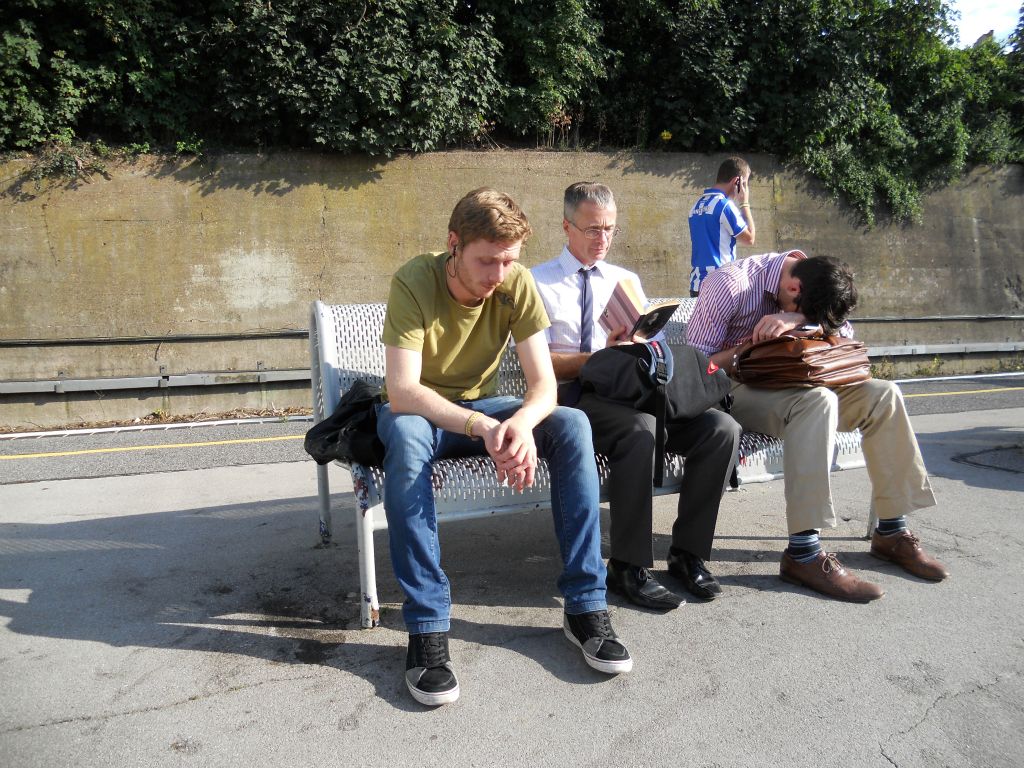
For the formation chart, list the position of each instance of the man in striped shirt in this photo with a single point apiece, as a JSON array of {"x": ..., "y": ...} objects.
[{"x": 764, "y": 297}]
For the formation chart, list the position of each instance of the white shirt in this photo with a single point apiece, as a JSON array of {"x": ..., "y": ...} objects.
[{"x": 558, "y": 282}]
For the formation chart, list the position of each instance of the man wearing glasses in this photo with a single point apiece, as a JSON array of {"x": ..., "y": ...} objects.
[{"x": 575, "y": 288}]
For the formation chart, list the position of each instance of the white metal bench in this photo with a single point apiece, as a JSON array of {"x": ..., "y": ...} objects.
[{"x": 345, "y": 345}]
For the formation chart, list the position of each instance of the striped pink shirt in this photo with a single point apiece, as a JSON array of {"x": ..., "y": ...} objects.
[{"x": 734, "y": 298}]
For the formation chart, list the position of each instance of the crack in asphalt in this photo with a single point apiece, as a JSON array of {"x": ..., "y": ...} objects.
[
  {"x": 145, "y": 710},
  {"x": 943, "y": 697}
]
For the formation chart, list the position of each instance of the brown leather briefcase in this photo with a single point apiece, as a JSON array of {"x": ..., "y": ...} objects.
[{"x": 788, "y": 361}]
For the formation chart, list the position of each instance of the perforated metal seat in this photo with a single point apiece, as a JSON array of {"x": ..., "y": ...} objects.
[{"x": 345, "y": 346}]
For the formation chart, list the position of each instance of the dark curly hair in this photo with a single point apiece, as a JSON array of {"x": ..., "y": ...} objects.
[{"x": 827, "y": 292}]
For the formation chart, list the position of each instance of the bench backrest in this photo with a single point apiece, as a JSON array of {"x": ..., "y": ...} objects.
[{"x": 348, "y": 339}]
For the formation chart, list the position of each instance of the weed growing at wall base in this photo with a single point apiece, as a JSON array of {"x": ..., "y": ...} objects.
[
  {"x": 67, "y": 159},
  {"x": 933, "y": 368},
  {"x": 883, "y": 369}
]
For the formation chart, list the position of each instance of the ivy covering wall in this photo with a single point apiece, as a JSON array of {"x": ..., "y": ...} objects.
[{"x": 871, "y": 96}]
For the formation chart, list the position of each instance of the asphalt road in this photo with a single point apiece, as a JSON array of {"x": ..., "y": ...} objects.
[
  {"x": 195, "y": 618},
  {"x": 133, "y": 452}
]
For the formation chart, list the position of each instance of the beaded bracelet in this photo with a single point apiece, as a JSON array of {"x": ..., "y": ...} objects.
[{"x": 470, "y": 422}]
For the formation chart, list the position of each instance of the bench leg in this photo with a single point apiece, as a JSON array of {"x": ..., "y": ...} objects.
[
  {"x": 872, "y": 519},
  {"x": 369, "y": 607},
  {"x": 323, "y": 490}
]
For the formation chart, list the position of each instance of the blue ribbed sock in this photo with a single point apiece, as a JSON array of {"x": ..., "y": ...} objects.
[
  {"x": 804, "y": 546},
  {"x": 892, "y": 526}
]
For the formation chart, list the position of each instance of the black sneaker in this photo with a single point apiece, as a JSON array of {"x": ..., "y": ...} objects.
[
  {"x": 592, "y": 633},
  {"x": 428, "y": 670}
]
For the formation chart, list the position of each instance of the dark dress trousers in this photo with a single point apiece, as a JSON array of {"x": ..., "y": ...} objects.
[{"x": 709, "y": 444}]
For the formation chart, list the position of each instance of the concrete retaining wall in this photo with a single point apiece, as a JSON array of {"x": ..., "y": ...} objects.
[{"x": 237, "y": 244}]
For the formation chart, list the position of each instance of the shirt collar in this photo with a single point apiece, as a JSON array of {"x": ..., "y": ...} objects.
[
  {"x": 773, "y": 274},
  {"x": 570, "y": 264}
]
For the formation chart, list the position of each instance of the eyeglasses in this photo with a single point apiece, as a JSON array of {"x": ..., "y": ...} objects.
[{"x": 592, "y": 233}]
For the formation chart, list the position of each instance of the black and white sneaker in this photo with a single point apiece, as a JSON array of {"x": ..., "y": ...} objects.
[
  {"x": 428, "y": 670},
  {"x": 592, "y": 633}
]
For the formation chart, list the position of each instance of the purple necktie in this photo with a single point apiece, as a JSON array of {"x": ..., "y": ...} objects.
[{"x": 587, "y": 314}]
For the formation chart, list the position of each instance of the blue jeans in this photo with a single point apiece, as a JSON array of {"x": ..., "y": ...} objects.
[{"x": 412, "y": 443}]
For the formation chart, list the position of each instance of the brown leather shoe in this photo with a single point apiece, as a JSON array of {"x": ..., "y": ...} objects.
[
  {"x": 904, "y": 549},
  {"x": 825, "y": 574}
]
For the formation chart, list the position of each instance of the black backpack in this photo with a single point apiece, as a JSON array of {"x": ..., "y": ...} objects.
[
  {"x": 672, "y": 382},
  {"x": 350, "y": 433}
]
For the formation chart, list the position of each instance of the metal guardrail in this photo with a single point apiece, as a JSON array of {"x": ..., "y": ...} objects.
[
  {"x": 206, "y": 379},
  {"x": 229, "y": 378},
  {"x": 303, "y": 333},
  {"x": 94, "y": 341},
  {"x": 946, "y": 349}
]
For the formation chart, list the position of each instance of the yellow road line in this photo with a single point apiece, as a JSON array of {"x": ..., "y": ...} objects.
[
  {"x": 965, "y": 392},
  {"x": 158, "y": 446},
  {"x": 162, "y": 446}
]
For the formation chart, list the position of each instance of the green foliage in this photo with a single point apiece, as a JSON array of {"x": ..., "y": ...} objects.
[
  {"x": 1013, "y": 86},
  {"x": 189, "y": 146},
  {"x": 551, "y": 62},
  {"x": 88, "y": 66},
  {"x": 23, "y": 117},
  {"x": 871, "y": 96},
  {"x": 370, "y": 77},
  {"x": 842, "y": 116},
  {"x": 676, "y": 69},
  {"x": 402, "y": 75}
]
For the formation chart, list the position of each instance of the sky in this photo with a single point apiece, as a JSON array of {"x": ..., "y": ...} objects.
[{"x": 979, "y": 16}]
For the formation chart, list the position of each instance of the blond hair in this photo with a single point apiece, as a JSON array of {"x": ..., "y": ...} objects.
[{"x": 486, "y": 214}]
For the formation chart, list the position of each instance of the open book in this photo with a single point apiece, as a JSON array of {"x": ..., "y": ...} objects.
[{"x": 626, "y": 310}]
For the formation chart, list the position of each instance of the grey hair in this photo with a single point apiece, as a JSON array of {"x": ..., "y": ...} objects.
[{"x": 586, "y": 192}]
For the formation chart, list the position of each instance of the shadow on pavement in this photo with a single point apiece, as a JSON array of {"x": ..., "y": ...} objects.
[
  {"x": 252, "y": 580},
  {"x": 981, "y": 457}
]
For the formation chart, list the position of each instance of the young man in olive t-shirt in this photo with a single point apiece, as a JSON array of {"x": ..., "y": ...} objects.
[{"x": 448, "y": 321}]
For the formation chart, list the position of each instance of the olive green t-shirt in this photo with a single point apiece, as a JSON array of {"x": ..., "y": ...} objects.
[{"x": 461, "y": 346}]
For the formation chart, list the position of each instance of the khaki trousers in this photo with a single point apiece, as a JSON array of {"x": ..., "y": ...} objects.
[{"x": 807, "y": 420}]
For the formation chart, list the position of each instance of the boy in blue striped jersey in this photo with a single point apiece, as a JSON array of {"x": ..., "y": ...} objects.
[{"x": 719, "y": 218}]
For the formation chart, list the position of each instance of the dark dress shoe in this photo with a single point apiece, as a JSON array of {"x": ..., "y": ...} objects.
[
  {"x": 695, "y": 576},
  {"x": 640, "y": 587}
]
